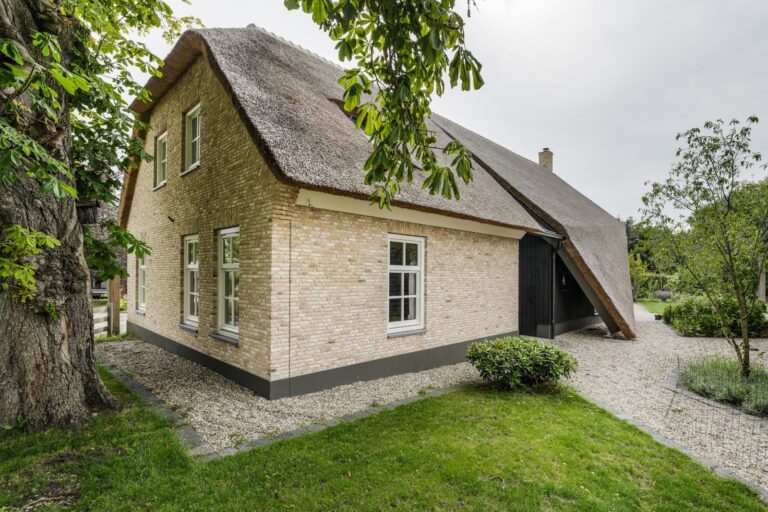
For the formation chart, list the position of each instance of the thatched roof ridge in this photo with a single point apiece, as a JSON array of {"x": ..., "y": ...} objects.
[{"x": 284, "y": 95}]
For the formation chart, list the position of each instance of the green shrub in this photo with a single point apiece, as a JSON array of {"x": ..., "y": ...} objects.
[
  {"x": 720, "y": 379},
  {"x": 695, "y": 316},
  {"x": 517, "y": 362},
  {"x": 123, "y": 304}
]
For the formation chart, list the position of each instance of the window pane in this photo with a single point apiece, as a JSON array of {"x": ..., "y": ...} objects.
[
  {"x": 409, "y": 307},
  {"x": 395, "y": 253},
  {"x": 236, "y": 306},
  {"x": 228, "y": 284},
  {"x": 192, "y": 305},
  {"x": 395, "y": 284},
  {"x": 194, "y": 152},
  {"x": 192, "y": 281},
  {"x": 411, "y": 254},
  {"x": 227, "y": 250},
  {"x": 236, "y": 284},
  {"x": 195, "y": 120},
  {"x": 395, "y": 314},
  {"x": 409, "y": 284},
  {"x": 228, "y": 313},
  {"x": 235, "y": 249}
]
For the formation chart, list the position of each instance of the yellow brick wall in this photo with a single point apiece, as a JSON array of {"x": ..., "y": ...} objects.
[
  {"x": 231, "y": 187},
  {"x": 313, "y": 282},
  {"x": 338, "y": 290}
]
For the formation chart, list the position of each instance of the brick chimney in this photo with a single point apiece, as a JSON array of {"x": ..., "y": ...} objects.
[{"x": 545, "y": 158}]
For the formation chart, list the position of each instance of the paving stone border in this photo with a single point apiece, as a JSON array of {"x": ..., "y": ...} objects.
[{"x": 203, "y": 452}]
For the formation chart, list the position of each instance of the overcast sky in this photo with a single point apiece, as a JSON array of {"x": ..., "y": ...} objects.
[{"x": 605, "y": 84}]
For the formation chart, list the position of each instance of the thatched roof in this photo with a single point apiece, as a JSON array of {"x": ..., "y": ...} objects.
[{"x": 287, "y": 98}]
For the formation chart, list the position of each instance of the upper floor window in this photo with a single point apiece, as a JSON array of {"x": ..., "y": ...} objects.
[
  {"x": 191, "y": 260},
  {"x": 141, "y": 284},
  {"x": 229, "y": 280},
  {"x": 406, "y": 283},
  {"x": 161, "y": 159},
  {"x": 192, "y": 139}
]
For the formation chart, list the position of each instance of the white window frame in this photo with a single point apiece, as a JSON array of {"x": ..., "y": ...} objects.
[
  {"x": 223, "y": 268},
  {"x": 161, "y": 163},
  {"x": 191, "y": 161},
  {"x": 191, "y": 272},
  {"x": 141, "y": 284},
  {"x": 418, "y": 322}
]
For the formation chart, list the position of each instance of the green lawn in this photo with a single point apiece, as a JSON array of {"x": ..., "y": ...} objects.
[
  {"x": 654, "y": 306},
  {"x": 468, "y": 450}
]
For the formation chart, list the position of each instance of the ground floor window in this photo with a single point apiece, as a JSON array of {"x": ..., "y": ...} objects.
[
  {"x": 229, "y": 280},
  {"x": 191, "y": 260},
  {"x": 406, "y": 283}
]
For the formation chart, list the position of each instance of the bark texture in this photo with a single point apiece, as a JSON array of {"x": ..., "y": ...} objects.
[{"x": 48, "y": 372}]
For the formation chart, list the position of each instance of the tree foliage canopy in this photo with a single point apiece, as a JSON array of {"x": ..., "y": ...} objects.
[
  {"x": 712, "y": 219},
  {"x": 401, "y": 54},
  {"x": 84, "y": 90}
]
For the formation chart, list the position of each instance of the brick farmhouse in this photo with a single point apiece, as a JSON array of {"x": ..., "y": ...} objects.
[{"x": 270, "y": 266}]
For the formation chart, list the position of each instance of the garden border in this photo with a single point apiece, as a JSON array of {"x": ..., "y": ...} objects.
[
  {"x": 203, "y": 452},
  {"x": 669, "y": 443}
]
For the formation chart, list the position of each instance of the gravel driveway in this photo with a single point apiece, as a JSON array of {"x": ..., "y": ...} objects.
[
  {"x": 634, "y": 378},
  {"x": 637, "y": 380}
]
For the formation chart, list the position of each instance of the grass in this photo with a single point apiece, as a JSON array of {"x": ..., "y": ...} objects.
[
  {"x": 720, "y": 379},
  {"x": 469, "y": 450},
  {"x": 115, "y": 337},
  {"x": 654, "y": 306}
]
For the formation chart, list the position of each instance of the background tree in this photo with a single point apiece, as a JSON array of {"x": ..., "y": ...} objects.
[
  {"x": 65, "y": 135},
  {"x": 713, "y": 222}
]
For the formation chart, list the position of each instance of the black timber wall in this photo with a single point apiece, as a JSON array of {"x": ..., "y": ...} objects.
[
  {"x": 551, "y": 300},
  {"x": 535, "y": 284}
]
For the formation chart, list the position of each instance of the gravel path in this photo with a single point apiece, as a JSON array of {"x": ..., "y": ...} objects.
[
  {"x": 225, "y": 414},
  {"x": 637, "y": 379}
]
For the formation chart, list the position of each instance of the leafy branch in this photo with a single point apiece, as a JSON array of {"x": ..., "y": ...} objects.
[{"x": 401, "y": 54}]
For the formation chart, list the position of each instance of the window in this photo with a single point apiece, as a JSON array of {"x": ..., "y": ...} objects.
[
  {"x": 406, "y": 283},
  {"x": 161, "y": 159},
  {"x": 190, "y": 279},
  {"x": 192, "y": 139},
  {"x": 141, "y": 284},
  {"x": 229, "y": 280}
]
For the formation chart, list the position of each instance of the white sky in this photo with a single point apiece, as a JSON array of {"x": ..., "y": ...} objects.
[{"x": 605, "y": 84}]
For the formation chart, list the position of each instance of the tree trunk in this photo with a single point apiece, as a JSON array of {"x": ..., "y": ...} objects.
[
  {"x": 745, "y": 357},
  {"x": 48, "y": 373}
]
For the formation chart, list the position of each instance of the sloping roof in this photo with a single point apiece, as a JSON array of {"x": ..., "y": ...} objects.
[{"x": 284, "y": 95}]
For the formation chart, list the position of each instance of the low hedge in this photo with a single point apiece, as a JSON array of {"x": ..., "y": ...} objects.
[
  {"x": 695, "y": 316},
  {"x": 518, "y": 362}
]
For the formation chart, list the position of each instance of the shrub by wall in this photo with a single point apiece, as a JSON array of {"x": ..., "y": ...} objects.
[
  {"x": 518, "y": 362},
  {"x": 695, "y": 316}
]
